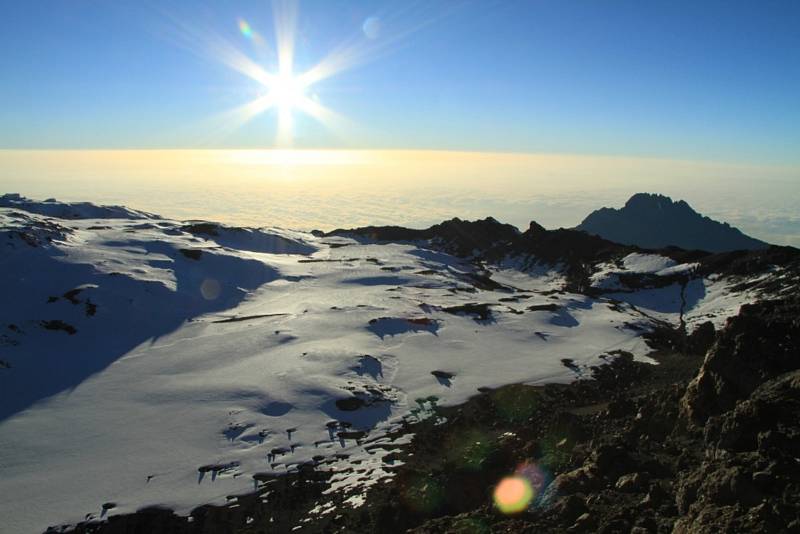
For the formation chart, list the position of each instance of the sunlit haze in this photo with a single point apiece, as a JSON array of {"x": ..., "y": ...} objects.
[
  {"x": 326, "y": 189},
  {"x": 367, "y": 113}
]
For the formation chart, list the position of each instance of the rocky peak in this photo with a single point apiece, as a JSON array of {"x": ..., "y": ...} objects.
[
  {"x": 649, "y": 202},
  {"x": 656, "y": 221},
  {"x": 535, "y": 228}
]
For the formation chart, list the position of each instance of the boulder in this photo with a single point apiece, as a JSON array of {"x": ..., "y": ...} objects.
[{"x": 760, "y": 343}]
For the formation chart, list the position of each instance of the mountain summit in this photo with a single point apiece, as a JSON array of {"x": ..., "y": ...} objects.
[{"x": 656, "y": 221}]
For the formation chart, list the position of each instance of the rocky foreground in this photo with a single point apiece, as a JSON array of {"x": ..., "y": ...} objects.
[{"x": 706, "y": 441}]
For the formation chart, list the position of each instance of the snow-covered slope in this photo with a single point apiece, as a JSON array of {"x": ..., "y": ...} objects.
[
  {"x": 607, "y": 274},
  {"x": 71, "y": 210},
  {"x": 663, "y": 289},
  {"x": 147, "y": 361}
]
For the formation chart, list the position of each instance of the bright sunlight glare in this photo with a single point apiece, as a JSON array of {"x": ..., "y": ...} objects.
[{"x": 287, "y": 91}]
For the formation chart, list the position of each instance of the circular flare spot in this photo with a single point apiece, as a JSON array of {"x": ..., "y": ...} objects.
[
  {"x": 372, "y": 27},
  {"x": 210, "y": 289},
  {"x": 513, "y": 495},
  {"x": 245, "y": 28}
]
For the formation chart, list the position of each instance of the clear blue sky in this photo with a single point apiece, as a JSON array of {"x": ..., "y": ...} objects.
[{"x": 689, "y": 79}]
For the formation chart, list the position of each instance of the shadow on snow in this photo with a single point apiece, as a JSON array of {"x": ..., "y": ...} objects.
[{"x": 129, "y": 312}]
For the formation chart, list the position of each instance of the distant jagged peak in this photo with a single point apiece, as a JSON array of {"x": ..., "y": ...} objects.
[
  {"x": 535, "y": 228},
  {"x": 651, "y": 220},
  {"x": 71, "y": 210},
  {"x": 656, "y": 201},
  {"x": 488, "y": 224}
]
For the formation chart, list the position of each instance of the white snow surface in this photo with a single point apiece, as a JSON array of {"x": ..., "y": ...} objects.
[
  {"x": 71, "y": 210},
  {"x": 646, "y": 263},
  {"x": 606, "y": 275},
  {"x": 712, "y": 298},
  {"x": 129, "y": 361}
]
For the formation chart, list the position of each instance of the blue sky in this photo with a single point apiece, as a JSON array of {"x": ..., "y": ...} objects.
[{"x": 716, "y": 80}]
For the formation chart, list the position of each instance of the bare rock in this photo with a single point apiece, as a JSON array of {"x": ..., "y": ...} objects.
[
  {"x": 760, "y": 343},
  {"x": 631, "y": 483}
]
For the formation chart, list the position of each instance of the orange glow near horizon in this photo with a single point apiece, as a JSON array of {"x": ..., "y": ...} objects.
[{"x": 325, "y": 189}]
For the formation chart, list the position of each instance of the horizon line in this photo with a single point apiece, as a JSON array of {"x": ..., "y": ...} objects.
[{"x": 483, "y": 152}]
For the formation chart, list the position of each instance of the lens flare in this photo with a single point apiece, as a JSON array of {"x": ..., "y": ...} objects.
[
  {"x": 371, "y": 27},
  {"x": 517, "y": 492},
  {"x": 535, "y": 474},
  {"x": 210, "y": 289},
  {"x": 513, "y": 495},
  {"x": 245, "y": 28}
]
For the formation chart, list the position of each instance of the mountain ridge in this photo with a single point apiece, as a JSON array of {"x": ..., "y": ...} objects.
[
  {"x": 641, "y": 224},
  {"x": 656, "y": 221}
]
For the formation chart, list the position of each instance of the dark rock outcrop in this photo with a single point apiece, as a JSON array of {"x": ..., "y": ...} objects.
[
  {"x": 492, "y": 241},
  {"x": 455, "y": 235},
  {"x": 762, "y": 342},
  {"x": 575, "y": 251}
]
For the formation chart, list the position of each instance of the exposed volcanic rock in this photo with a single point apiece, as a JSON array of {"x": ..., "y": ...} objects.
[
  {"x": 748, "y": 480},
  {"x": 574, "y": 250},
  {"x": 739, "y": 262},
  {"x": 656, "y": 221},
  {"x": 563, "y": 245},
  {"x": 767, "y": 418},
  {"x": 26, "y": 231},
  {"x": 762, "y": 342},
  {"x": 492, "y": 241},
  {"x": 636, "y": 467},
  {"x": 456, "y": 236},
  {"x": 479, "y": 312},
  {"x": 621, "y": 457},
  {"x": 203, "y": 228},
  {"x": 192, "y": 254},
  {"x": 577, "y": 251}
]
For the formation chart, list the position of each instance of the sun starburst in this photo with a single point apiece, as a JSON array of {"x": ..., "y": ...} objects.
[{"x": 285, "y": 91}]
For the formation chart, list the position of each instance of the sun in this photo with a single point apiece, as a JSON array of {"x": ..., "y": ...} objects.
[
  {"x": 284, "y": 91},
  {"x": 280, "y": 88},
  {"x": 287, "y": 92}
]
